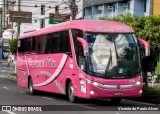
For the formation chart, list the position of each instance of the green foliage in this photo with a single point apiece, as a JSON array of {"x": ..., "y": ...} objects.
[
  {"x": 13, "y": 46},
  {"x": 147, "y": 28},
  {"x": 150, "y": 92}
]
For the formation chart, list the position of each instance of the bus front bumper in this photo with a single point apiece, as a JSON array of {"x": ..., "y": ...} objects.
[{"x": 97, "y": 92}]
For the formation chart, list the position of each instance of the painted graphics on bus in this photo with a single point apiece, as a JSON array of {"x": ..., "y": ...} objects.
[{"x": 80, "y": 60}]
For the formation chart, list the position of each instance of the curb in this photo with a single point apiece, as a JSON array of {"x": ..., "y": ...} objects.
[{"x": 12, "y": 77}]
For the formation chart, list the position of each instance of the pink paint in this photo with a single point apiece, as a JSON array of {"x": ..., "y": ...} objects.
[
  {"x": 146, "y": 46},
  {"x": 145, "y": 43},
  {"x": 83, "y": 42},
  {"x": 86, "y": 25},
  {"x": 50, "y": 72},
  {"x": 56, "y": 73}
]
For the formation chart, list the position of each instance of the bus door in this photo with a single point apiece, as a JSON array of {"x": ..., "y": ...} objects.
[
  {"x": 23, "y": 71},
  {"x": 82, "y": 47}
]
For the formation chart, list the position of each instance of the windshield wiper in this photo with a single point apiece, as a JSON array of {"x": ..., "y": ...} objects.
[
  {"x": 97, "y": 74},
  {"x": 109, "y": 61}
]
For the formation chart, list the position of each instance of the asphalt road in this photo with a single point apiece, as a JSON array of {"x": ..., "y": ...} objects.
[{"x": 12, "y": 95}]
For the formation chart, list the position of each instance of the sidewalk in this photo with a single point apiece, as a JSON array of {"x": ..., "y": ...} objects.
[
  {"x": 154, "y": 85},
  {"x": 11, "y": 75},
  {"x": 4, "y": 62}
]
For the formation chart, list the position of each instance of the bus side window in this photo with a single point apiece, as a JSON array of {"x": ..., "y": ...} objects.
[
  {"x": 65, "y": 46},
  {"x": 52, "y": 45},
  {"x": 37, "y": 44},
  {"x": 76, "y": 33},
  {"x": 21, "y": 47},
  {"x": 81, "y": 57}
]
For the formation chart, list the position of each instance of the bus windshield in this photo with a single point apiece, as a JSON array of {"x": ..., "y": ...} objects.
[{"x": 113, "y": 55}]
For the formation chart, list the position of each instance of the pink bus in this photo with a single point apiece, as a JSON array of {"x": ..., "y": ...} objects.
[{"x": 89, "y": 59}]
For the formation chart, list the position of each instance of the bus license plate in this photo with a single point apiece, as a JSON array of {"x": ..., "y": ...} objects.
[{"x": 118, "y": 94}]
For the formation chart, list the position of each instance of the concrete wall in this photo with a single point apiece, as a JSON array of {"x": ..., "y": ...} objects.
[
  {"x": 87, "y": 3},
  {"x": 135, "y": 7},
  {"x": 36, "y": 15}
]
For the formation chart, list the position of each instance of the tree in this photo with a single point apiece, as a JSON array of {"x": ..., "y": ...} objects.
[
  {"x": 147, "y": 28},
  {"x": 13, "y": 45}
]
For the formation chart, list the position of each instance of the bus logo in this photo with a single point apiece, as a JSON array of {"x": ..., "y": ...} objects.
[{"x": 118, "y": 86}]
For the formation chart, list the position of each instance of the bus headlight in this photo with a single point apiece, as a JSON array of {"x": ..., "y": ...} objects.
[
  {"x": 95, "y": 83},
  {"x": 138, "y": 83}
]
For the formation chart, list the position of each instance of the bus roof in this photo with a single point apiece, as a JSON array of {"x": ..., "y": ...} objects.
[{"x": 86, "y": 25}]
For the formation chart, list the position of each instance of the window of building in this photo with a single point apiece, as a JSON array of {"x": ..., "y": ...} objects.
[
  {"x": 128, "y": 6},
  {"x": 145, "y": 6}
]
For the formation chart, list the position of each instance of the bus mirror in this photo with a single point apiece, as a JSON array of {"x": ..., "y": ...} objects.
[
  {"x": 146, "y": 46},
  {"x": 19, "y": 43},
  {"x": 84, "y": 45}
]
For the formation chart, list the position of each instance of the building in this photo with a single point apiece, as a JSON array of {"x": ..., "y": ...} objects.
[
  {"x": 156, "y": 7},
  {"x": 9, "y": 30},
  {"x": 94, "y": 9},
  {"x": 34, "y": 6}
]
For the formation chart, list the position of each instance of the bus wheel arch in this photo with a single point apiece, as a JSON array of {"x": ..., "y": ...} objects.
[
  {"x": 30, "y": 86},
  {"x": 70, "y": 91}
]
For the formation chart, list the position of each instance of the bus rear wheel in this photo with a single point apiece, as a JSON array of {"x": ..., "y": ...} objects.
[
  {"x": 30, "y": 87},
  {"x": 70, "y": 93},
  {"x": 116, "y": 100}
]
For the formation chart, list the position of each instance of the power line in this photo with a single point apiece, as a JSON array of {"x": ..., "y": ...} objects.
[
  {"x": 26, "y": 5},
  {"x": 66, "y": 3},
  {"x": 36, "y": 11},
  {"x": 50, "y": 9},
  {"x": 39, "y": 9}
]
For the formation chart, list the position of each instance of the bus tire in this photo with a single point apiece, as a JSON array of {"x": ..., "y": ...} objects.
[
  {"x": 30, "y": 87},
  {"x": 116, "y": 100},
  {"x": 70, "y": 93}
]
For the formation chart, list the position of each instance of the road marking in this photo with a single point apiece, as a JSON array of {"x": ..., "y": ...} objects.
[
  {"x": 48, "y": 98},
  {"x": 137, "y": 102},
  {"x": 22, "y": 92},
  {"x": 86, "y": 107},
  {"x": 5, "y": 87},
  {"x": 10, "y": 112},
  {"x": 2, "y": 76}
]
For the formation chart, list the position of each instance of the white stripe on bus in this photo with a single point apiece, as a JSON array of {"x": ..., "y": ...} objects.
[{"x": 56, "y": 73}]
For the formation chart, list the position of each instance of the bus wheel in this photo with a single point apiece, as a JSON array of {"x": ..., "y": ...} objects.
[
  {"x": 70, "y": 93},
  {"x": 116, "y": 100},
  {"x": 30, "y": 87}
]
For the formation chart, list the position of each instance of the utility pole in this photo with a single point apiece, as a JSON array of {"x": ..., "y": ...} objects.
[
  {"x": 7, "y": 9},
  {"x": 73, "y": 8},
  {"x": 1, "y": 21},
  {"x": 42, "y": 23},
  {"x": 19, "y": 24},
  {"x": 4, "y": 14}
]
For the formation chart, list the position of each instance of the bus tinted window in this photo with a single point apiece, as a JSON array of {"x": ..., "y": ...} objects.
[
  {"x": 52, "y": 43},
  {"x": 40, "y": 44},
  {"x": 58, "y": 42},
  {"x": 26, "y": 45},
  {"x": 64, "y": 42},
  {"x": 21, "y": 48}
]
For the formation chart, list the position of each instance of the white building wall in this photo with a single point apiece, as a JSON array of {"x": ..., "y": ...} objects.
[{"x": 36, "y": 15}]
